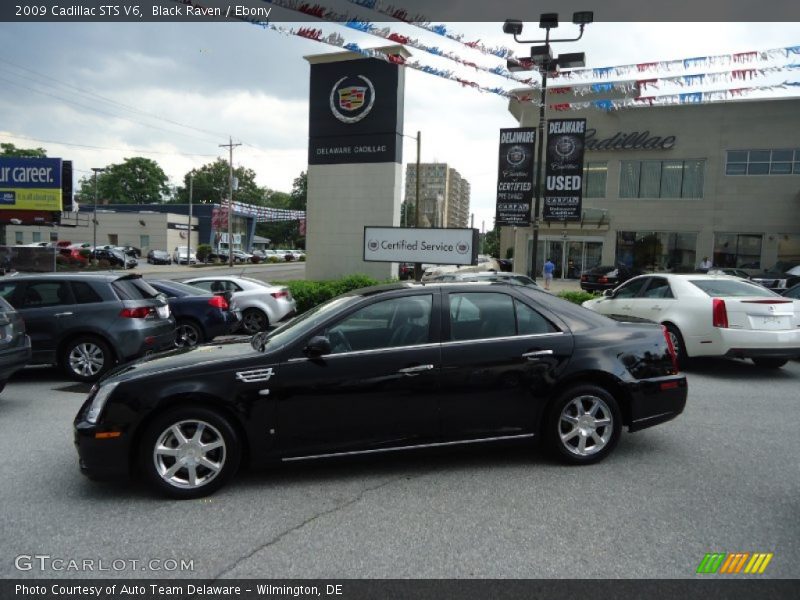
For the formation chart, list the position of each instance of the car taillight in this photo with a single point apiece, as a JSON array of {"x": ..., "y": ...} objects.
[
  {"x": 602, "y": 280},
  {"x": 281, "y": 294},
  {"x": 719, "y": 313},
  {"x": 137, "y": 313},
  {"x": 583, "y": 278},
  {"x": 218, "y": 302},
  {"x": 672, "y": 354}
]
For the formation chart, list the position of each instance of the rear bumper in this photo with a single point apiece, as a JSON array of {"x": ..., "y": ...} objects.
[
  {"x": 655, "y": 401},
  {"x": 749, "y": 343},
  {"x": 763, "y": 352},
  {"x": 592, "y": 286},
  {"x": 13, "y": 358}
]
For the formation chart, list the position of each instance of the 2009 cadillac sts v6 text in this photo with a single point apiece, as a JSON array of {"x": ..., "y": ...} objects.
[{"x": 386, "y": 368}]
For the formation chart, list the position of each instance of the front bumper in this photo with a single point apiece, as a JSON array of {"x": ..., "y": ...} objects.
[
  {"x": 101, "y": 458},
  {"x": 655, "y": 401}
]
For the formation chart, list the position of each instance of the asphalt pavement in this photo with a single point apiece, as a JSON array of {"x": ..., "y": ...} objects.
[{"x": 721, "y": 478}]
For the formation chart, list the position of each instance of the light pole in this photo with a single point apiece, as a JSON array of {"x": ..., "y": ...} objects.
[
  {"x": 94, "y": 213},
  {"x": 418, "y": 137},
  {"x": 542, "y": 59},
  {"x": 189, "y": 231}
]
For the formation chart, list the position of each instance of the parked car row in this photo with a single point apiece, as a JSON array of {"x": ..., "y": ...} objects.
[{"x": 89, "y": 322}]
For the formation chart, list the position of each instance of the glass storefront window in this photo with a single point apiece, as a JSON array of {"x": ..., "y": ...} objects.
[
  {"x": 737, "y": 250},
  {"x": 595, "y": 175},
  {"x": 657, "y": 251},
  {"x": 661, "y": 179},
  {"x": 789, "y": 247}
]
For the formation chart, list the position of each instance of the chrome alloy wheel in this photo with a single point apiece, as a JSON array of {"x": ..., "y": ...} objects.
[
  {"x": 586, "y": 425},
  {"x": 86, "y": 359},
  {"x": 676, "y": 342},
  {"x": 189, "y": 454}
]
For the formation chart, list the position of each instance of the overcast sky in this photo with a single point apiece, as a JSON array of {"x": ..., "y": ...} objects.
[{"x": 179, "y": 90}]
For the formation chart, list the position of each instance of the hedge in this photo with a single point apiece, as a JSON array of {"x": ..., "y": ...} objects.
[
  {"x": 309, "y": 294},
  {"x": 577, "y": 297}
]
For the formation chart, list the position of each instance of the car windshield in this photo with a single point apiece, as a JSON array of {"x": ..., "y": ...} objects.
[
  {"x": 729, "y": 287},
  {"x": 301, "y": 325}
]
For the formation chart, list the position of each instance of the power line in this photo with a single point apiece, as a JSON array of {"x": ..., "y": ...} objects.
[
  {"x": 137, "y": 150},
  {"x": 90, "y": 93}
]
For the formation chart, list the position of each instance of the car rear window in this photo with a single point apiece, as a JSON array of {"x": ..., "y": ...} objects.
[
  {"x": 729, "y": 287},
  {"x": 134, "y": 289},
  {"x": 183, "y": 289}
]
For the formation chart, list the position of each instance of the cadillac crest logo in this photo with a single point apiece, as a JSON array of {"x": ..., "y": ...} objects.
[
  {"x": 352, "y": 98},
  {"x": 564, "y": 147},
  {"x": 373, "y": 245},
  {"x": 516, "y": 156}
]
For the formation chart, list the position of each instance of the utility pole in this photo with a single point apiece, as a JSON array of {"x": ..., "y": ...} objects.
[
  {"x": 230, "y": 146},
  {"x": 94, "y": 213},
  {"x": 417, "y": 266},
  {"x": 189, "y": 234}
]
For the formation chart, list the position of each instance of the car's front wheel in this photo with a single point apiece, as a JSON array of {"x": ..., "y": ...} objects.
[
  {"x": 189, "y": 452},
  {"x": 770, "y": 363},
  {"x": 583, "y": 425},
  {"x": 86, "y": 358},
  {"x": 254, "y": 320},
  {"x": 677, "y": 344}
]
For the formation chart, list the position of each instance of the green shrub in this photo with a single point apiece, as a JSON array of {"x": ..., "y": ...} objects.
[
  {"x": 577, "y": 297},
  {"x": 273, "y": 259},
  {"x": 309, "y": 294},
  {"x": 203, "y": 250},
  {"x": 302, "y": 258}
]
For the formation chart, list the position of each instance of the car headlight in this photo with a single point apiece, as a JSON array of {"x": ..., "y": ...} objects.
[{"x": 99, "y": 401}]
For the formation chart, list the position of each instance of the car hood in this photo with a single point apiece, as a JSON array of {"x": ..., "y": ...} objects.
[{"x": 185, "y": 359}]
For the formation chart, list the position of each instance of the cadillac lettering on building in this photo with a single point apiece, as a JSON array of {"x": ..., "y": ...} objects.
[
  {"x": 433, "y": 246},
  {"x": 629, "y": 141},
  {"x": 515, "y": 176}
]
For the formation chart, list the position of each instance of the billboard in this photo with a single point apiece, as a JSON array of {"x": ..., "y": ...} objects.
[
  {"x": 563, "y": 188},
  {"x": 515, "y": 176},
  {"x": 355, "y": 112},
  {"x": 31, "y": 184},
  {"x": 432, "y": 246}
]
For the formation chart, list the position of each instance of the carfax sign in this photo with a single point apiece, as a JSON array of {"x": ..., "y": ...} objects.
[
  {"x": 30, "y": 184},
  {"x": 432, "y": 246}
]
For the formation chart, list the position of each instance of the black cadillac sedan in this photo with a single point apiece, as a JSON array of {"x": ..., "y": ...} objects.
[{"x": 386, "y": 368}]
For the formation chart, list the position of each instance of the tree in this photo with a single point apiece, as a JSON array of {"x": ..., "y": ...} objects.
[
  {"x": 491, "y": 243},
  {"x": 299, "y": 192},
  {"x": 11, "y": 151},
  {"x": 211, "y": 185},
  {"x": 136, "y": 180},
  {"x": 281, "y": 233}
]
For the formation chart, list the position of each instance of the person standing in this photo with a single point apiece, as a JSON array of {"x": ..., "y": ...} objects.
[
  {"x": 547, "y": 271},
  {"x": 705, "y": 264}
]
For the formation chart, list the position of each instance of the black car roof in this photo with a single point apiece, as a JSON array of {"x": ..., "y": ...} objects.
[{"x": 74, "y": 276}]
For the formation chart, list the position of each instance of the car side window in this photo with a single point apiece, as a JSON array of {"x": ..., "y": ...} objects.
[
  {"x": 206, "y": 285},
  {"x": 475, "y": 316},
  {"x": 631, "y": 288},
  {"x": 530, "y": 322},
  {"x": 7, "y": 289},
  {"x": 40, "y": 294},
  {"x": 85, "y": 293},
  {"x": 392, "y": 323},
  {"x": 658, "y": 288}
]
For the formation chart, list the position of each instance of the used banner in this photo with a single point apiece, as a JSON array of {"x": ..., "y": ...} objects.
[
  {"x": 515, "y": 177},
  {"x": 563, "y": 191}
]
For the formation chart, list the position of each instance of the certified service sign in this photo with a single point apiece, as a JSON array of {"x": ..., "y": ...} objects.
[{"x": 433, "y": 246}]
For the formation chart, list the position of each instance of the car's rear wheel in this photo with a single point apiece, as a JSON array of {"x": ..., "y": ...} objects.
[
  {"x": 770, "y": 363},
  {"x": 677, "y": 344},
  {"x": 583, "y": 425},
  {"x": 189, "y": 452},
  {"x": 254, "y": 320},
  {"x": 188, "y": 334},
  {"x": 86, "y": 358}
]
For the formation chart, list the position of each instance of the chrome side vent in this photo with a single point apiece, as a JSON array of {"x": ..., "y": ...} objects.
[{"x": 255, "y": 375}]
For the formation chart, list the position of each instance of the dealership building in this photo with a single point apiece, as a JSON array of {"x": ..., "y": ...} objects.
[{"x": 666, "y": 186}]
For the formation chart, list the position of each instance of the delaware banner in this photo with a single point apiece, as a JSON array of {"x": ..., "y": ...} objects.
[
  {"x": 563, "y": 191},
  {"x": 515, "y": 176},
  {"x": 30, "y": 184}
]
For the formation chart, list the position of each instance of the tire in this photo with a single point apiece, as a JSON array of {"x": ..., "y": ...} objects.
[
  {"x": 86, "y": 358},
  {"x": 573, "y": 434},
  {"x": 678, "y": 344},
  {"x": 254, "y": 320},
  {"x": 174, "y": 460},
  {"x": 2, "y": 385},
  {"x": 188, "y": 333},
  {"x": 770, "y": 363}
]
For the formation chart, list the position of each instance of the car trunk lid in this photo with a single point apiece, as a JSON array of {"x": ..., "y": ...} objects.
[{"x": 761, "y": 314}]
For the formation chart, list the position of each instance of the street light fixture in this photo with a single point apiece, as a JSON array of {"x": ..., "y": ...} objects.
[
  {"x": 542, "y": 59},
  {"x": 94, "y": 215}
]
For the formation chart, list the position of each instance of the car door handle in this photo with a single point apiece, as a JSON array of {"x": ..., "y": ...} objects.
[
  {"x": 413, "y": 371},
  {"x": 655, "y": 308},
  {"x": 64, "y": 314},
  {"x": 625, "y": 307},
  {"x": 537, "y": 354}
]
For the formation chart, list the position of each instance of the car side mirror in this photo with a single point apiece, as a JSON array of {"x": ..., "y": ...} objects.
[
  {"x": 318, "y": 345},
  {"x": 608, "y": 293}
]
